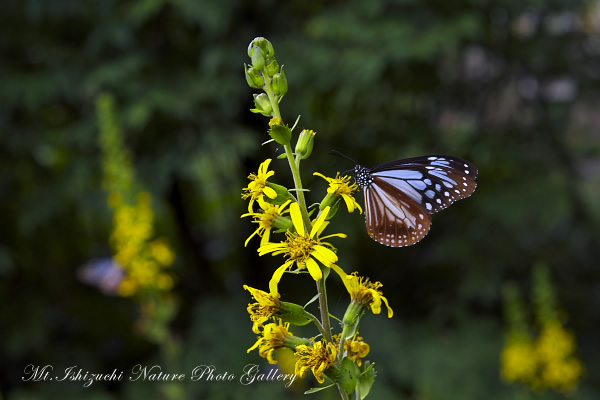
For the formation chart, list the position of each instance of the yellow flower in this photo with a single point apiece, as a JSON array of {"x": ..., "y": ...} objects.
[
  {"x": 364, "y": 292},
  {"x": 556, "y": 347},
  {"x": 263, "y": 310},
  {"x": 554, "y": 342},
  {"x": 340, "y": 186},
  {"x": 318, "y": 358},
  {"x": 265, "y": 220},
  {"x": 302, "y": 248},
  {"x": 273, "y": 338},
  {"x": 258, "y": 188},
  {"x": 356, "y": 349},
  {"x": 161, "y": 252},
  {"x": 519, "y": 361}
]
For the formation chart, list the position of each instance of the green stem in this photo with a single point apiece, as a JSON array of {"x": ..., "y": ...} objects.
[
  {"x": 325, "y": 325},
  {"x": 290, "y": 157},
  {"x": 315, "y": 321},
  {"x": 323, "y": 306},
  {"x": 342, "y": 393},
  {"x": 298, "y": 184}
]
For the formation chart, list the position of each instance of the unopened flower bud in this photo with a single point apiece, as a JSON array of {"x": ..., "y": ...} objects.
[
  {"x": 305, "y": 142},
  {"x": 272, "y": 67},
  {"x": 269, "y": 49},
  {"x": 258, "y": 59},
  {"x": 253, "y": 77},
  {"x": 279, "y": 84},
  {"x": 262, "y": 104},
  {"x": 264, "y": 45}
]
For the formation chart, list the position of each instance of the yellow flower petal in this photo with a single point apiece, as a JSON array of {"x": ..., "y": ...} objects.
[
  {"x": 270, "y": 248},
  {"x": 297, "y": 218},
  {"x": 349, "y": 202},
  {"x": 322, "y": 176},
  {"x": 390, "y": 312},
  {"x": 264, "y": 166},
  {"x": 276, "y": 278},
  {"x": 319, "y": 222},
  {"x": 265, "y": 238},
  {"x": 376, "y": 304},
  {"x": 250, "y": 237},
  {"x": 270, "y": 192},
  {"x": 314, "y": 269},
  {"x": 325, "y": 255}
]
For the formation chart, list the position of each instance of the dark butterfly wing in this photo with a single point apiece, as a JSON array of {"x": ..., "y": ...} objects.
[
  {"x": 393, "y": 218},
  {"x": 433, "y": 182}
]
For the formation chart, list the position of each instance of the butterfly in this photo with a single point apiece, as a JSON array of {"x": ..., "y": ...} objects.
[
  {"x": 400, "y": 196},
  {"x": 105, "y": 273}
]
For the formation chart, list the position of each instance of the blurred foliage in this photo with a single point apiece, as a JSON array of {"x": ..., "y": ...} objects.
[{"x": 510, "y": 85}]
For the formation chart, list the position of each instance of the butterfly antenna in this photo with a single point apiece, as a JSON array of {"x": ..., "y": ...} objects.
[{"x": 337, "y": 153}]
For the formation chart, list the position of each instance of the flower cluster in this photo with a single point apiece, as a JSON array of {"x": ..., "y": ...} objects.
[
  {"x": 287, "y": 229},
  {"x": 547, "y": 361},
  {"x": 143, "y": 256}
]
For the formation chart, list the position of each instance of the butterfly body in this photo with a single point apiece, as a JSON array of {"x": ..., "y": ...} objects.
[{"x": 400, "y": 196}]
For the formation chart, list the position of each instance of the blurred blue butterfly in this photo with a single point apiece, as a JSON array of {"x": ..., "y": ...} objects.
[{"x": 105, "y": 273}]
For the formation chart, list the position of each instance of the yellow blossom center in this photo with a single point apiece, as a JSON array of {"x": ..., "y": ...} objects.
[
  {"x": 256, "y": 187},
  {"x": 364, "y": 294},
  {"x": 299, "y": 247},
  {"x": 267, "y": 217},
  {"x": 339, "y": 185}
]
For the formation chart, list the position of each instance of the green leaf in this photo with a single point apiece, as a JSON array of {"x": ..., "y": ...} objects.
[
  {"x": 366, "y": 379},
  {"x": 315, "y": 390}
]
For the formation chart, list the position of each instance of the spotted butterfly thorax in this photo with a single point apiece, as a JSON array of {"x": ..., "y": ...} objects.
[{"x": 400, "y": 196}]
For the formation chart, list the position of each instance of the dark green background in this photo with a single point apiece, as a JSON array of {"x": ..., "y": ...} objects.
[{"x": 510, "y": 85}]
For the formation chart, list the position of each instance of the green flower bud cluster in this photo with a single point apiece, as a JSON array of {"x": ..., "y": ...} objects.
[{"x": 265, "y": 73}]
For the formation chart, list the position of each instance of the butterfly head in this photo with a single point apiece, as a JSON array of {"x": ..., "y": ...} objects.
[{"x": 363, "y": 177}]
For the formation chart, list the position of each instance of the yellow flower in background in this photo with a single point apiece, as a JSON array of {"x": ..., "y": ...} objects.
[
  {"x": 340, "y": 186},
  {"x": 519, "y": 360},
  {"x": 363, "y": 291},
  {"x": 261, "y": 311},
  {"x": 258, "y": 188},
  {"x": 143, "y": 257},
  {"x": 266, "y": 220},
  {"x": 318, "y": 358},
  {"x": 555, "y": 347},
  {"x": 161, "y": 252},
  {"x": 549, "y": 361},
  {"x": 273, "y": 338},
  {"x": 302, "y": 248}
]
